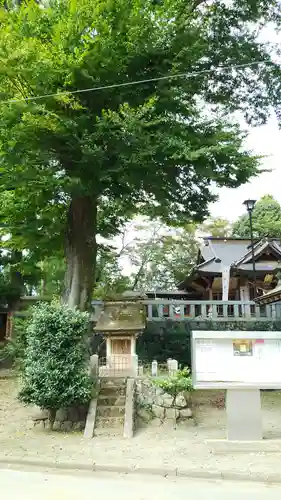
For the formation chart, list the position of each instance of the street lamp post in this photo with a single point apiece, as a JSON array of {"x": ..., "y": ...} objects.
[{"x": 249, "y": 204}]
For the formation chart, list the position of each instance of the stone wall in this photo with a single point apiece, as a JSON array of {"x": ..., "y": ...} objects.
[
  {"x": 67, "y": 419},
  {"x": 153, "y": 404}
]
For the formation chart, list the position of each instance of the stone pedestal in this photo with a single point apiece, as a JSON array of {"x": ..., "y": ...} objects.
[{"x": 243, "y": 408}]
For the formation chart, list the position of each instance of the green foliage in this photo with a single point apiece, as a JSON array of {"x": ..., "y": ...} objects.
[
  {"x": 74, "y": 166},
  {"x": 171, "y": 339},
  {"x": 160, "y": 255},
  {"x": 266, "y": 220},
  {"x": 175, "y": 384},
  {"x": 218, "y": 227},
  {"x": 259, "y": 326},
  {"x": 15, "y": 347},
  {"x": 109, "y": 276},
  {"x": 52, "y": 274},
  {"x": 54, "y": 372},
  {"x": 10, "y": 279},
  {"x": 9, "y": 293},
  {"x": 168, "y": 340}
]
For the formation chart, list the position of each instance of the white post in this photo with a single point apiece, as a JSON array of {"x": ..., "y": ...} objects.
[
  {"x": 245, "y": 296},
  {"x": 135, "y": 365},
  {"x": 94, "y": 366},
  {"x": 133, "y": 345},
  {"x": 225, "y": 282},
  {"x": 154, "y": 368},
  {"x": 169, "y": 364},
  {"x": 173, "y": 367},
  {"x": 108, "y": 347},
  {"x": 140, "y": 371}
]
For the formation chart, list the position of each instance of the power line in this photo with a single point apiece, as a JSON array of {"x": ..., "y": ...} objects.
[{"x": 137, "y": 82}]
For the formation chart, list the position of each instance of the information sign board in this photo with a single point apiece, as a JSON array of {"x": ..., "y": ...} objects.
[{"x": 232, "y": 359}]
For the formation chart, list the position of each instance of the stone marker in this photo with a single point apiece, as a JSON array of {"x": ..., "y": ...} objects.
[
  {"x": 169, "y": 364},
  {"x": 94, "y": 366},
  {"x": 154, "y": 368},
  {"x": 172, "y": 367},
  {"x": 140, "y": 370},
  {"x": 135, "y": 365}
]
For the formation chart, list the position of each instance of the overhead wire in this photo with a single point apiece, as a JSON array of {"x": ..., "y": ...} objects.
[{"x": 135, "y": 82}]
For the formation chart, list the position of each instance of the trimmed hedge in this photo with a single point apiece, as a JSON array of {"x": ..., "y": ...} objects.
[{"x": 171, "y": 339}]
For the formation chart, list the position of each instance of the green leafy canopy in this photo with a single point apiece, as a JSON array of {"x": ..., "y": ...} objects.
[
  {"x": 81, "y": 164},
  {"x": 266, "y": 220}
]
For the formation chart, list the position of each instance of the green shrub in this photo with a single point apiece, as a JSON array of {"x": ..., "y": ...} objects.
[
  {"x": 163, "y": 341},
  {"x": 175, "y": 384},
  {"x": 54, "y": 372},
  {"x": 14, "y": 348},
  {"x": 172, "y": 339}
]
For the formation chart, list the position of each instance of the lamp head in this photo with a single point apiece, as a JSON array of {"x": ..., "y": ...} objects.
[{"x": 249, "y": 204}]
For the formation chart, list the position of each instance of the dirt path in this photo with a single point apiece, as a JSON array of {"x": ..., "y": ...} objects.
[{"x": 154, "y": 446}]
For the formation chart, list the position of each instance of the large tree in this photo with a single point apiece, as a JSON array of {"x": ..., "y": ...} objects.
[
  {"x": 159, "y": 257},
  {"x": 266, "y": 220},
  {"x": 77, "y": 163},
  {"x": 218, "y": 227}
]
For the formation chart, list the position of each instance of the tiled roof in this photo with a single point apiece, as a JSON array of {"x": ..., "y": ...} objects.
[
  {"x": 221, "y": 252},
  {"x": 235, "y": 253},
  {"x": 259, "y": 248}
]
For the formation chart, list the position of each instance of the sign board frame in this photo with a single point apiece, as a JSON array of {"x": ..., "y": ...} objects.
[{"x": 242, "y": 346}]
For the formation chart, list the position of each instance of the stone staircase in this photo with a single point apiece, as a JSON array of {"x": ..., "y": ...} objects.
[{"x": 111, "y": 407}]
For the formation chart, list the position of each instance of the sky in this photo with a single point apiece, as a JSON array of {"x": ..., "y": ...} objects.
[{"x": 265, "y": 140}]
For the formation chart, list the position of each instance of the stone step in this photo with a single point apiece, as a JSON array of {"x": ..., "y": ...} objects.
[
  {"x": 112, "y": 391},
  {"x": 108, "y": 422},
  {"x": 110, "y": 411},
  {"x": 109, "y": 431},
  {"x": 113, "y": 382},
  {"x": 116, "y": 400}
]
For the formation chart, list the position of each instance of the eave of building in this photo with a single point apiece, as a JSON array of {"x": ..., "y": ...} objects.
[
  {"x": 260, "y": 267},
  {"x": 270, "y": 297},
  {"x": 259, "y": 248},
  {"x": 192, "y": 282},
  {"x": 204, "y": 264},
  {"x": 213, "y": 266},
  {"x": 214, "y": 263}
]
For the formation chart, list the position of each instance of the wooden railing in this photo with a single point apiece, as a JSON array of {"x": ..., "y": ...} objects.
[
  {"x": 204, "y": 310},
  {"x": 183, "y": 310},
  {"x": 199, "y": 310}
]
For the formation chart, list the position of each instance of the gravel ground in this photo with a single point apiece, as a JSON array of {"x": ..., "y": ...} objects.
[{"x": 151, "y": 447}]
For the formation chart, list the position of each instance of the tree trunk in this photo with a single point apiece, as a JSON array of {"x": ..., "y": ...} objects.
[
  {"x": 16, "y": 278},
  {"x": 52, "y": 418},
  {"x": 80, "y": 252}
]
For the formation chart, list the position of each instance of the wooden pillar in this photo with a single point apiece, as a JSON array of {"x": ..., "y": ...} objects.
[
  {"x": 225, "y": 282},
  {"x": 245, "y": 296},
  {"x": 245, "y": 292}
]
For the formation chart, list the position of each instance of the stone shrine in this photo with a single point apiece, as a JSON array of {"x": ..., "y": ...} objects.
[{"x": 121, "y": 321}]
